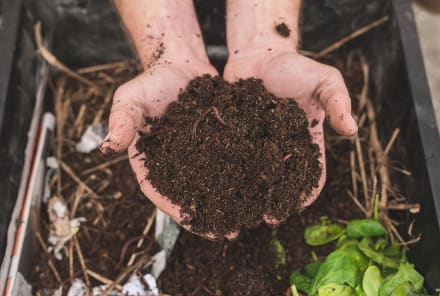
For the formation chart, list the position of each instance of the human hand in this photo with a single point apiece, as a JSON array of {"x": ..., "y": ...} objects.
[
  {"x": 318, "y": 89},
  {"x": 168, "y": 41},
  {"x": 148, "y": 95}
]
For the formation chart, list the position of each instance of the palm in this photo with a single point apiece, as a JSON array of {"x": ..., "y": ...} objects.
[{"x": 318, "y": 89}]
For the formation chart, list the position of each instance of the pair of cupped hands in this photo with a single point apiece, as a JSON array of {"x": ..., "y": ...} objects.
[{"x": 318, "y": 89}]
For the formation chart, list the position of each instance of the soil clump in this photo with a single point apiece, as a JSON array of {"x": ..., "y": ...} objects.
[
  {"x": 283, "y": 30},
  {"x": 229, "y": 153}
]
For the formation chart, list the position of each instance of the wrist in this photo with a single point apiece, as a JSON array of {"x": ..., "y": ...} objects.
[
  {"x": 265, "y": 47},
  {"x": 163, "y": 31},
  {"x": 253, "y": 25}
]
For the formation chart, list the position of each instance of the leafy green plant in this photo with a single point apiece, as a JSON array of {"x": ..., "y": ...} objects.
[
  {"x": 323, "y": 233},
  {"x": 364, "y": 263}
]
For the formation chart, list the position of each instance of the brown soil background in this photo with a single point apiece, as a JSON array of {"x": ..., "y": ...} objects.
[{"x": 196, "y": 266}]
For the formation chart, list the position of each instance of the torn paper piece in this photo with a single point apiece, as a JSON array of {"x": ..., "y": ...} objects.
[
  {"x": 152, "y": 285},
  {"x": 98, "y": 290},
  {"x": 62, "y": 228},
  {"x": 166, "y": 232},
  {"x": 91, "y": 139},
  {"x": 134, "y": 287},
  {"x": 78, "y": 288},
  {"x": 159, "y": 263},
  {"x": 58, "y": 292},
  {"x": 52, "y": 167}
]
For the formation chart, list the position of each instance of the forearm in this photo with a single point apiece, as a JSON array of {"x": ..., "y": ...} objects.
[
  {"x": 252, "y": 24},
  {"x": 165, "y": 30}
]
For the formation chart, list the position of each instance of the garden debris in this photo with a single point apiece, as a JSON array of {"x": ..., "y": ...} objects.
[
  {"x": 88, "y": 185},
  {"x": 62, "y": 228},
  {"x": 78, "y": 288},
  {"x": 371, "y": 177},
  {"x": 339, "y": 43},
  {"x": 92, "y": 137}
]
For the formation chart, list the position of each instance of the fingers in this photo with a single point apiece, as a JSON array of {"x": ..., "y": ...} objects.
[
  {"x": 125, "y": 120},
  {"x": 270, "y": 220},
  {"x": 334, "y": 98}
]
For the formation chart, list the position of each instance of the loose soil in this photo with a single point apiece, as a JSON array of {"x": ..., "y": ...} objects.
[
  {"x": 196, "y": 266},
  {"x": 229, "y": 153},
  {"x": 283, "y": 30},
  {"x": 247, "y": 266}
]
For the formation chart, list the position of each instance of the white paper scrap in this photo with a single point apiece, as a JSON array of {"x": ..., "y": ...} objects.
[
  {"x": 78, "y": 288},
  {"x": 92, "y": 137},
  {"x": 151, "y": 282},
  {"x": 134, "y": 287}
]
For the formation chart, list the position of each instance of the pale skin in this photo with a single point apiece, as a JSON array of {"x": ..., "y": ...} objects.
[{"x": 255, "y": 50}]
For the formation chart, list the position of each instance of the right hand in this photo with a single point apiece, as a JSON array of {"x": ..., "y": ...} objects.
[{"x": 148, "y": 95}]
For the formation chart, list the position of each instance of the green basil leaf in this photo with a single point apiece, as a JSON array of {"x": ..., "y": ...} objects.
[
  {"x": 381, "y": 244},
  {"x": 405, "y": 289},
  {"x": 343, "y": 267},
  {"x": 372, "y": 281},
  {"x": 360, "y": 291},
  {"x": 300, "y": 281},
  {"x": 366, "y": 246},
  {"x": 365, "y": 228},
  {"x": 344, "y": 241},
  {"x": 405, "y": 274},
  {"x": 393, "y": 251},
  {"x": 318, "y": 235},
  {"x": 336, "y": 290},
  {"x": 312, "y": 268}
]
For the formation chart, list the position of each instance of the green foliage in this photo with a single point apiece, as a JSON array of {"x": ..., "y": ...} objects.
[
  {"x": 301, "y": 281},
  {"x": 364, "y": 263},
  {"x": 322, "y": 234},
  {"x": 280, "y": 253},
  {"x": 366, "y": 246},
  {"x": 372, "y": 281},
  {"x": 343, "y": 267},
  {"x": 336, "y": 290},
  {"x": 312, "y": 269},
  {"x": 405, "y": 279},
  {"x": 365, "y": 228}
]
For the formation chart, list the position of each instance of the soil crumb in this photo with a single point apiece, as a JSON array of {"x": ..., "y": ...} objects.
[
  {"x": 230, "y": 153},
  {"x": 314, "y": 123},
  {"x": 283, "y": 30}
]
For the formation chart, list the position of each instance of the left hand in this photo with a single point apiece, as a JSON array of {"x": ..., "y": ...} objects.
[{"x": 319, "y": 89}]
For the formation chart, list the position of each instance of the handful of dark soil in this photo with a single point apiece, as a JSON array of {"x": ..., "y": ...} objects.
[{"x": 228, "y": 153}]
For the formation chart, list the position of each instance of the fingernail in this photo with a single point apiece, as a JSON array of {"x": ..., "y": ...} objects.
[
  {"x": 105, "y": 146},
  {"x": 353, "y": 123}
]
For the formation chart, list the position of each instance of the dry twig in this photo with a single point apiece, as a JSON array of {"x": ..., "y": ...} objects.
[
  {"x": 104, "y": 165},
  {"x": 81, "y": 261},
  {"x": 103, "y": 67},
  {"x": 50, "y": 262},
  {"x": 52, "y": 60},
  {"x": 102, "y": 279},
  {"x": 347, "y": 38},
  {"x": 144, "y": 234},
  {"x": 75, "y": 178}
]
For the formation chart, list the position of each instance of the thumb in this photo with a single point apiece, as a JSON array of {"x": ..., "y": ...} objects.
[
  {"x": 125, "y": 120},
  {"x": 335, "y": 100}
]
